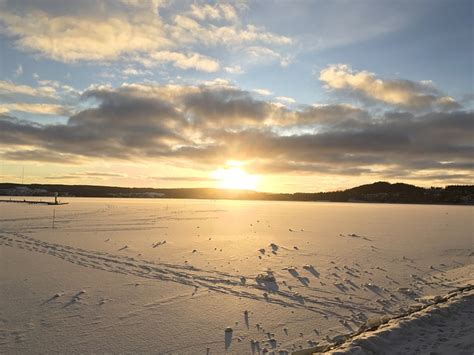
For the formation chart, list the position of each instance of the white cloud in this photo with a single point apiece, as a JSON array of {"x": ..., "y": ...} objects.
[
  {"x": 19, "y": 70},
  {"x": 217, "y": 82},
  {"x": 417, "y": 95},
  {"x": 216, "y": 12},
  {"x": 132, "y": 71},
  {"x": 18, "y": 97},
  {"x": 263, "y": 92},
  {"x": 135, "y": 72},
  {"x": 7, "y": 87},
  {"x": 58, "y": 86},
  {"x": 72, "y": 38},
  {"x": 182, "y": 60},
  {"x": 261, "y": 54},
  {"x": 187, "y": 30},
  {"x": 236, "y": 69},
  {"x": 42, "y": 109},
  {"x": 285, "y": 99},
  {"x": 132, "y": 30}
]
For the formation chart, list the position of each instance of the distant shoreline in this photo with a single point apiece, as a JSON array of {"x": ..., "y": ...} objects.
[
  {"x": 240, "y": 199},
  {"x": 379, "y": 192}
]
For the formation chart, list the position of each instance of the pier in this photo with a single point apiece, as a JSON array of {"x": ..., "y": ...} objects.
[{"x": 56, "y": 202}]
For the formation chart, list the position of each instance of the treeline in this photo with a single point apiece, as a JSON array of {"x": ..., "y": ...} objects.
[
  {"x": 384, "y": 192},
  {"x": 380, "y": 192}
]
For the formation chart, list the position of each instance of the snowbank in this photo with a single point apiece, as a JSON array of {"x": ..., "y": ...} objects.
[{"x": 443, "y": 327}]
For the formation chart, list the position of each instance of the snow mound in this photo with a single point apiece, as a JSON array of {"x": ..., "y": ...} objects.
[{"x": 441, "y": 328}]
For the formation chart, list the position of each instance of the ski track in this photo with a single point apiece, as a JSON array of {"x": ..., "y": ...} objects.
[{"x": 217, "y": 281}]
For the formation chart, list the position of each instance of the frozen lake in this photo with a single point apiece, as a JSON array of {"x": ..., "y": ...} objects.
[{"x": 168, "y": 276}]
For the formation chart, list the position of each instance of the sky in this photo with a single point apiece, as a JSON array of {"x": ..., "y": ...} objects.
[{"x": 278, "y": 96}]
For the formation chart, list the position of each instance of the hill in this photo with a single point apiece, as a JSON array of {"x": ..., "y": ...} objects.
[{"x": 379, "y": 192}]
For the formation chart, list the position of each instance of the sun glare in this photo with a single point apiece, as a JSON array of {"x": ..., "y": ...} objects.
[{"x": 234, "y": 177}]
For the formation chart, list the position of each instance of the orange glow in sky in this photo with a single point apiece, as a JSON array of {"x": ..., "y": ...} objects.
[{"x": 234, "y": 177}]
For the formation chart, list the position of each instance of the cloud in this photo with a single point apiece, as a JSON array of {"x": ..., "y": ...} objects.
[
  {"x": 288, "y": 100},
  {"x": 216, "y": 12},
  {"x": 105, "y": 131},
  {"x": 10, "y": 88},
  {"x": 187, "y": 30},
  {"x": 263, "y": 92},
  {"x": 98, "y": 31},
  {"x": 236, "y": 69},
  {"x": 100, "y": 174},
  {"x": 404, "y": 93},
  {"x": 42, "y": 109},
  {"x": 135, "y": 72},
  {"x": 226, "y": 107},
  {"x": 331, "y": 115},
  {"x": 132, "y": 31},
  {"x": 41, "y": 155},
  {"x": 19, "y": 70},
  {"x": 204, "y": 126},
  {"x": 183, "y": 60},
  {"x": 37, "y": 100},
  {"x": 87, "y": 174},
  {"x": 262, "y": 54}
]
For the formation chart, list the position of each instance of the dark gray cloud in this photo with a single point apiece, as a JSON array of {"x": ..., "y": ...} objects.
[
  {"x": 335, "y": 114},
  {"x": 206, "y": 126},
  {"x": 93, "y": 174},
  {"x": 381, "y": 143},
  {"x": 41, "y": 155},
  {"x": 123, "y": 125},
  {"x": 226, "y": 106},
  {"x": 99, "y": 174},
  {"x": 436, "y": 141}
]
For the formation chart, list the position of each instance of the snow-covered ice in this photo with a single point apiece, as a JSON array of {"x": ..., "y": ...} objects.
[
  {"x": 444, "y": 326},
  {"x": 171, "y": 276}
]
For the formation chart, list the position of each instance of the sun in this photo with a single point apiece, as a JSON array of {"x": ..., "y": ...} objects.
[{"x": 234, "y": 177}]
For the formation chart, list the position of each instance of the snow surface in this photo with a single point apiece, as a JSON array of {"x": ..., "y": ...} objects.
[
  {"x": 201, "y": 276},
  {"x": 442, "y": 328}
]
